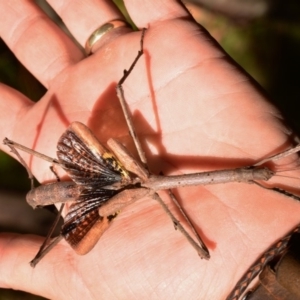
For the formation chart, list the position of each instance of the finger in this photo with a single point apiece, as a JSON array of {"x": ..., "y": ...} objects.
[
  {"x": 11, "y": 109},
  {"x": 16, "y": 252},
  {"x": 37, "y": 42},
  {"x": 82, "y": 20},
  {"x": 144, "y": 13}
]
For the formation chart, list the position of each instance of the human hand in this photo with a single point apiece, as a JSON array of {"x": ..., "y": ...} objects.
[{"x": 194, "y": 110}]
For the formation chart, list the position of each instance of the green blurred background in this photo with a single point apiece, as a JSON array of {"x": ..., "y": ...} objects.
[{"x": 262, "y": 36}]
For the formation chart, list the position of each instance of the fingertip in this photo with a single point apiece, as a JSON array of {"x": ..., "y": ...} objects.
[{"x": 12, "y": 105}]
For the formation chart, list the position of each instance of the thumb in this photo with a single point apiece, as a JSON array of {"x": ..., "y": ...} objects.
[{"x": 16, "y": 251}]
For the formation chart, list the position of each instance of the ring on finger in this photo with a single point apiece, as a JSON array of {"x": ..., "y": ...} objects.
[{"x": 100, "y": 32}]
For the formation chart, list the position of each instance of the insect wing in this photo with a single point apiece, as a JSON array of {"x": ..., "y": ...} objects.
[
  {"x": 86, "y": 160},
  {"x": 83, "y": 225}
]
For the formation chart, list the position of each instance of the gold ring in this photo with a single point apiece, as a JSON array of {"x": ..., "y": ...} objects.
[{"x": 100, "y": 32}]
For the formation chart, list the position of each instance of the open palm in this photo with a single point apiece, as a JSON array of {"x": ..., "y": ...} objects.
[{"x": 193, "y": 109}]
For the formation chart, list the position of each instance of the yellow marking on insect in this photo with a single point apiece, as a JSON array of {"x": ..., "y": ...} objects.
[{"x": 116, "y": 164}]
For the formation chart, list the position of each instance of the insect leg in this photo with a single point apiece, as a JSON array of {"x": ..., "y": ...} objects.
[
  {"x": 13, "y": 145},
  {"x": 13, "y": 149},
  {"x": 279, "y": 155},
  {"x": 202, "y": 251},
  {"x": 279, "y": 190},
  {"x": 55, "y": 174},
  {"x": 45, "y": 250},
  {"x": 127, "y": 115},
  {"x": 186, "y": 217},
  {"x": 46, "y": 246}
]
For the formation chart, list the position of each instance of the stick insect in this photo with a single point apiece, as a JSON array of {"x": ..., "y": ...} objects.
[{"x": 104, "y": 183}]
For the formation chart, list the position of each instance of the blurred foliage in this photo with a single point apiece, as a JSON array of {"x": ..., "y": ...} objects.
[
  {"x": 15, "y": 75},
  {"x": 122, "y": 8},
  {"x": 10, "y": 170},
  {"x": 268, "y": 48}
]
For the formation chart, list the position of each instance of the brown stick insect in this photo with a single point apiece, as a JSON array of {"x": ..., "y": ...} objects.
[{"x": 103, "y": 183}]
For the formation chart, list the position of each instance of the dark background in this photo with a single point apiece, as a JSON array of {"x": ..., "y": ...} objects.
[{"x": 262, "y": 36}]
